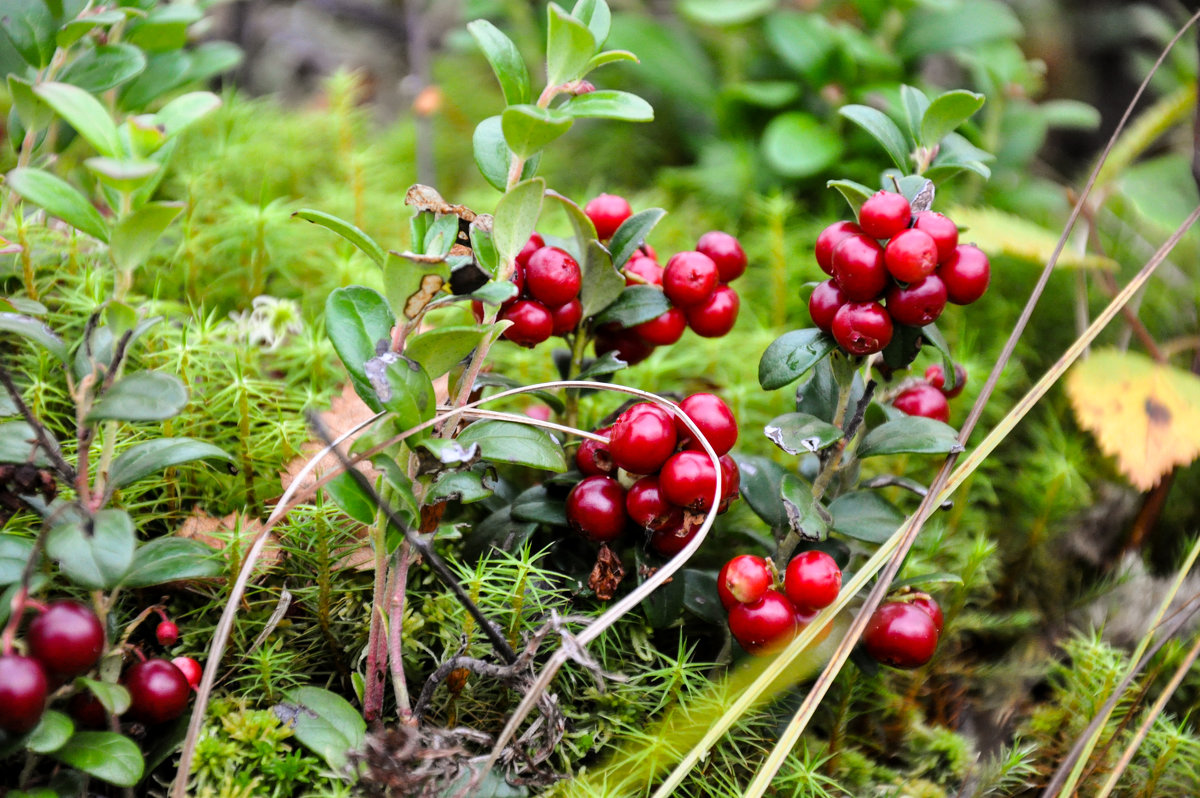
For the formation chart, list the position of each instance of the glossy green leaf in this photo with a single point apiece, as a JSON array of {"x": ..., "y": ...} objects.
[
  {"x": 601, "y": 284},
  {"x": 441, "y": 348},
  {"x": 584, "y": 230},
  {"x": 172, "y": 559},
  {"x": 325, "y": 723},
  {"x": 346, "y": 230},
  {"x": 165, "y": 27},
  {"x": 492, "y": 155},
  {"x": 16, "y": 444},
  {"x": 440, "y": 235},
  {"x": 402, "y": 387},
  {"x": 357, "y": 319},
  {"x": 185, "y": 110},
  {"x": 865, "y": 515},
  {"x": 725, "y": 12},
  {"x": 164, "y": 72},
  {"x": 113, "y": 697},
  {"x": 609, "y": 105},
  {"x": 134, "y": 236},
  {"x": 94, "y": 555},
  {"x": 854, "y": 193},
  {"x": 528, "y": 128},
  {"x": 14, "y": 553},
  {"x": 83, "y": 112},
  {"x": 30, "y": 29},
  {"x": 937, "y": 578},
  {"x": 796, "y": 144},
  {"x": 911, "y": 434},
  {"x": 104, "y": 67},
  {"x": 799, "y": 433},
  {"x": 33, "y": 113},
  {"x": 51, "y": 733},
  {"x": 636, "y": 304},
  {"x": 108, "y": 756},
  {"x": 511, "y": 442},
  {"x": 608, "y": 363},
  {"x": 569, "y": 47},
  {"x": 596, "y": 15},
  {"x": 516, "y": 217},
  {"x": 483, "y": 247},
  {"x": 804, "y": 515},
  {"x": 903, "y": 347},
  {"x": 632, "y": 234},
  {"x": 791, "y": 355},
  {"x": 75, "y": 30},
  {"x": 58, "y": 198},
  {"x": 504, "y": 59},
  {"x": 34, "y": 330},
  {"x": 946, "y": 113},
  {"x": 349, "y": 496},
  {"x": 609, "y": 57},
  {"x": 934, "y": 337},
  {"x": 818, "y": 395},
  {"x": 882, "y": 129},
  {"x": 469, "y": 486},
  {"x": 761, "y": 484},
  {"x": 122, "y": 174},
  {"x": 141, "y": 396},
  {"x": 916, "y": 104},
  {"x": 149, "y": 457}
]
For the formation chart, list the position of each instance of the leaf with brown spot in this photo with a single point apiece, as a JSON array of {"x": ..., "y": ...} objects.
[
  {"x": 425, "y": 198},
  {"x": 607, "y": 574},
  {"x": 431, "y": 284},
  {"x": 1145, "y": 414}
]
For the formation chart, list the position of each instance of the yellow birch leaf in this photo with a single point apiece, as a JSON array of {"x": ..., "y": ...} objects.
[
  {"x": 1145, "y": 414},
  {"x": 1000, "y": 233}
]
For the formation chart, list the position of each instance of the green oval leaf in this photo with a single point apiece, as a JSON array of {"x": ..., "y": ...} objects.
[
  {"x": 602, "y": 284},
  {"x": 149, "y": 457},
  {"x": 95, "y": 555},
  {"x": 791, "y": 355},
  {"x": 636, "y": 304},
  {"x": 511, "y": 442},
  {"x": 796, "y": 144},
  {"x": 854, "y": 193},
  {"x": 799, "y": 433},
  {"x": 865, "y": 515},
  {"x": 325, "y": 723},
  {"x": 516, "y": 217},
  {"x": 946, "y": 113},
  {"x": 164, "y": 71},
  {"x": 911, "y": 434},
  {"x": 528, "y": 128},
  {"x": 441, "y": 348},
  {"x": 104, "y": 67},
  {"x": 356, "y": 320},
  {"x": 36, "y": 331},
  {"x": 942, "y": 27},
  {"x": 123, "y": 174},
  {"x": 492, "y": 155},
  {"x": 14, "y": 553},
  {"x": 134, "y": 236},
  {"x": 107, "y": 756},
  {"x": 171, "y": 559},
  {"x": 51, "y": 733},
  {"x": 468, "y": 486},
  {"x": 346, "y": 230},
  {"x": 596, "y": 15},
  {"x": 402, "y": 387},
  {"x": 113, "y": 697},
  {"x": 17, "y": 444},
  {"x": 609, "y": 57},
  {"x": 569, "y": 47},
  {"x": 632, "y": 234},
  {"x": 185, "y": 110},
  {"x": 609, "y": 105},
  {"x": 883, "y": 130},
  {"x": 58, "y": 198},
  {"x": 725, "y": 12},
  {"x": 761, "y": 485},
  {"x": 504, "y": 59},
  {"x": 83, "y": 112},
  {"x": 804, "y": 515},
  {"x": 29, "y": 28},
  {"x": 141, "y": 396}
]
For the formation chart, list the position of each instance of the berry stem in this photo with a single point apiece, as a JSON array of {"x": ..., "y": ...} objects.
[
  {"x": 396, "y": 632},
  {"x": 377, "y": 650},
  {"x": 20, "y": 599}
]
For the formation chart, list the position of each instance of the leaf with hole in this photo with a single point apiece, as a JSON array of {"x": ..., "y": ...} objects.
[
  {"x": 141, "y": 396},
  {"x": 58, "y": 198},
  {"x": 94, "y": 555},
  {"x": 511, "y": 442},
  {"x": 798, "y": 433},
  {"x": 791, "y": 355},
  {"x": 909, "y": 435}
]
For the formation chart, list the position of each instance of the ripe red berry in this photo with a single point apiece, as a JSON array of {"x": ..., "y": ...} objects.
[
  {"x": 532, "y": 322},
  {"x": 534, "y": 243},
  {"x": 592, "y": 457},
  {"x": 715, "y": 316},
  {"x": 645, "y": 268},
  {"x": 937, "y": 378},
  {"x": 765, "y": 626},
  {"x": 726, "y": 252},
  {"x": 628, "y": 345},
  {"x": 743, "y": 580},
  {"x": 664, "y": 329},
  {"x": 648, "y": 507},
  {"x": 689, "y": 479},
  {"x": 911, "y": 255},
  {"x": 689, "y": 278},
  {"x": 552, "y": 277},
  {"x": 923, "y": 400},
  {"x": 921, "y": 303},
  {"x": 859, "y": 269},
  {"x": 642, "y": 438},
  {"x": 23, "y": 687},
  {"x": 607, "y": 212},
  {"x": 67, "y": 638},
  {"x": 943, "y": 232},
  {"x": 596, "y": 509},
  {"x": 927, "y": 603},
  {"x": 884, "y": 214},
  {"x": 812, "y": 581},
  {"x": 167, "y": 633},
  {"x": 670, "y": 540},
  {"x": 862, "y": 328},
  {"x": 565, "y": 318},
  {"x": 900, "y": 635},
  {"x": 715, "y": 420},
  {"x": 828, "y": 240},
  {"x": 824, "y": 302},
  {"x": 158, "y": 691},
  {"x": 966, "y": 274},
  {"x": 731, "y": 481},
  {"x": 191, "y": 670}
]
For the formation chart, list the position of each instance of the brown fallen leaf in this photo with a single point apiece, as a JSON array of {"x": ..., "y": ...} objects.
[
  {"x": 219, "y": 532},
  {"x": 346, "y": 412},
  {"x": 607, "y": 574}
]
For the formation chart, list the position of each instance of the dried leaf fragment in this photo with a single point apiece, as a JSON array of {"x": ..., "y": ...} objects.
[{"x": 607, "y": 574}]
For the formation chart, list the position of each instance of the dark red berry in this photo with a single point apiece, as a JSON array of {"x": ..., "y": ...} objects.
[
  {"x": 647, "y": 506},
  {"x": 158, "y": 691},
  {"x": 812, "y": 581},
  {"x": 565, "y": 318},
  {"x": 167, "y": 633},
  {"x": 715, "y": 316},
  {"x": 689, "y": 278},
  {"x": 532, "y": 323},
  {"x": 765, "y": 626},
  {"x": 664, "y": 329},
  {"x": 927, "y": 603},
  {"x": 900, "y": 635},
  {"x": 920, "y": 303},
  {"x": 824, "y": 302},
  {"x": 670, "y": 540},
  {"x": 884, "y": 214},
  {"x": 191, "y": 670},
  {"x": 552, "y": 277},
  {"x": 23, "y": 689},
  {"x": 858, "y": 268},
  {"x": 937, "y": 378},
  {"x": 607, "y": 212},
  {"x": 643, "y": 270},
  {"x": 862, "y": 328},
  {"x": 923, "y": 400},
  {"x": 743, "y": 580},
  {"x": 731, "y": 481},
  {"x": 534, "y": 243},
  {"x": 943, "y": 232},
  {"x": 628, "y": 345},
  {"x": 87, "y": 711},
  {"x": 596, "y": 509},
  {"x": 966, "y": 274},
  {"x": 715, "y": 420},
  {"x": 67, "y": 638},
  {"x": 642, "y": 438},
  {"x": 911, "y": 255},
  {"x": 592, "y": 457},
  {"x": 828, "y": 240},
  {"x": 689, "y": 479},
  {"x": 726, "y": 252}
]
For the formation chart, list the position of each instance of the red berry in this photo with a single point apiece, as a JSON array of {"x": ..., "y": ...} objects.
[
  {"x": 725, "y": 251},
  {"x": 628, "y": 345},
  {"x": 689, "y": 480},
  {"x": 664, "y": 329},
  {"x": 607, "y": 211},
  {"x": 828, "y": 240},
  {"x": 901, "y": 635},
  {"x": 552, "y": 277},
  {"x": 191, "y": 670},
  {"x": 158, "y": 691},
  {"x": 927, "y": 603},
  {"x": 824, "y": 302},
  {"x": 670, "y": 540},
  {"x": 592, "y": 457},
  {"x": 858, "y": 268},
  {"x": 937, "y": 378},
  {"x": 23, "y": 688},
  {"x": 644, "y": 267},
  {"x": 565, "y": 318},
  {"x": 167, "y": 633},
  {"x": 532, "y": 322},
  {"x": 743, "y": 580},
  {"x": 943, "y": 232},
  {"x": 689, "y": 278},
  {"x": 648, "y": 507},
  {"x": 910, "y": 255},
  {"x": 534, "y": 243},
  {"x": 765, "y": 626},
  {"x": 731, "y": 480},
  {"x": 812, "y": 581},
  {"x": 919, "y": 304},
  {"x": 67, "y": 638},
  {"x": 596, "y": 509},
  {"x": 884, "y": 214},
  {"x": 715, "y": 316},
  {"x": 966, "y": 274},
  {"x": 923, "y": 400},
  {"x": 715, "y": 420},
  {"x": 862, "y": 328},
  {"x": 642, "y": 438}
]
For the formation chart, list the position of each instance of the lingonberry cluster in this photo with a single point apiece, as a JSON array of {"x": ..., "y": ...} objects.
[
  {"x": 654, "y": 472},
  {"x": 930, "y": 397},
  {"x": 764, "y": 619},
  {"x": 893, "y": 267},
  {"x": 904, "y": 633},
  {"x": 547, "y": 302}
]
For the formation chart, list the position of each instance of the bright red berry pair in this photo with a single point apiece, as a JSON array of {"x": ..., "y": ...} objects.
[
  {"x": 904, "y": 634},
  {"x": 762, "y": 619}
]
